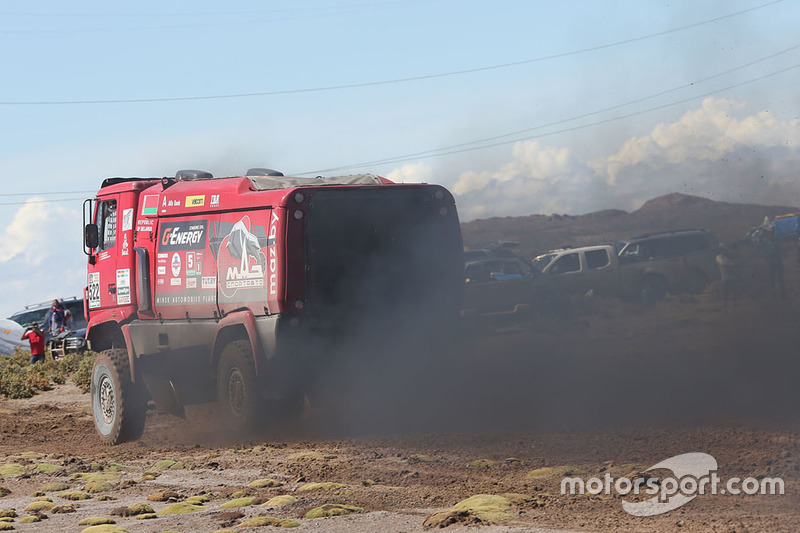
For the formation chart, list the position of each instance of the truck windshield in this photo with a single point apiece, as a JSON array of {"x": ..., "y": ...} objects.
[
  {"x": 542, "y": 261},
  {"x": 38, "y": 315}
]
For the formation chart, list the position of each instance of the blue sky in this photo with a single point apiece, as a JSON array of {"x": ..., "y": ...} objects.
[{"x": 637, "y": 72}]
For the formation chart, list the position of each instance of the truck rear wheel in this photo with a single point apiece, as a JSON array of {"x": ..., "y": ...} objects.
[
  {"x": 118, "y": 406},
  {"x": 236, "y": 386}
]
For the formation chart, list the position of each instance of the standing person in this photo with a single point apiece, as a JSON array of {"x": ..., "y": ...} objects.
[
  {"x": 772, "y": 253},
  {"x": 727, "y": 274},
  {"x": 55, "y": 318},
  {"x": 69, "y": 323},
  {"x": 36, "y": 337}
]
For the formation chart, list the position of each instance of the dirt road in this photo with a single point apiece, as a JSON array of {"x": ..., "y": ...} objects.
[{"x": 512, "y": 410}]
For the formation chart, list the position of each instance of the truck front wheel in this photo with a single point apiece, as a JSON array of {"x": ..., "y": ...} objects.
[
  {"x": 236, "y": 386},
  {"x": 118, "y": 406}
]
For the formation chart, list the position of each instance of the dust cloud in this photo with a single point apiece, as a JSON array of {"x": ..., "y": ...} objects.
[{"x": 684, "y": 361}]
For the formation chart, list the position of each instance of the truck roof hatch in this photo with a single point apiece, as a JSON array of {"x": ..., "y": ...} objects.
[
  {"x": 191, "y": 175},
  {"x": 263, "y": 172}
]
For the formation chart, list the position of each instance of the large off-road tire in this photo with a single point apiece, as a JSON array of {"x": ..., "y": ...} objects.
[
  {"x": 119, "y": 407},
  {"x": 237, "y": 388}
]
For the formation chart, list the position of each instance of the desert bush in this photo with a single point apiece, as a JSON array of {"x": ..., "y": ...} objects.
[
  {"x": 13, "y": 378},
  {"x": 20, "y": 379},
  {"x": 37, "y": 377},
  {"x": 82, "y": 376}
]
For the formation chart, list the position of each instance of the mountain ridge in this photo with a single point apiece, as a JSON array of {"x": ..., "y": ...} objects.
[{"x": 538, "y": 233}]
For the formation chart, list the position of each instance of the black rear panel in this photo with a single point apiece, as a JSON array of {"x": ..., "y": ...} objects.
[{"x": 383, "y": 253}]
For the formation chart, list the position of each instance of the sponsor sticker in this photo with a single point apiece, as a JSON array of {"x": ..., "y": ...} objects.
[
  {"x": 175, "y": 282},
  {"x": 127, "y": 219},
  {"x": 124, "y": 286},
  {"x": 194, "y": 263},
  {"x": 144, "y": 225},
  {"x": 273, "y": 253},
  {"x": 183, "y": 236},
  {"x": 208, "y": 282},
  {"x": 214, "y": 200},
  {"x": 190, "y": 263},
  {"x": 176, "y": 265},
  {"x": 241, "y": 259},
  {"x": 162, "y": 270},
  {"x": 171, "y": 298},
  {"x": 191, "y": 283},
  {"x": 169, "y": 203},
  {"x": 93, "y": 289},
  {"x": 150, "y": 204},
  {"x": 195, "y": 201}
]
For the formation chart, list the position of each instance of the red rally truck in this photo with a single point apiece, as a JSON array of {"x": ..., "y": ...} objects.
[{"x": 203, "y": 288}]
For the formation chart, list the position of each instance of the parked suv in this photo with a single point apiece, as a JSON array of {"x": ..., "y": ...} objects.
[
  {"x": 74, "y": 340},
  {"x": 682, "y": 261},
  {"x": 643, "y": 267}
]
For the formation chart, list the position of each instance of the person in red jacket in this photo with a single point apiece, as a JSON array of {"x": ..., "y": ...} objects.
[{"x": 36, "y": 337}]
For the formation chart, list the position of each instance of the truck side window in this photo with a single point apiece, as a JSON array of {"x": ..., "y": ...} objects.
[
  {"x": 566, "y": 263},
  {"x": 108, "y": 224},
  {"x": 596, "y": 259},
  {"x": 477, "y": 273},
  {"x": 636, "y": 252},
  {"x": 510, "y": 267}
]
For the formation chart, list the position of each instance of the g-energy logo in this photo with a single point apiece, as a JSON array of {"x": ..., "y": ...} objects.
[{"x": 183, "y": 236}]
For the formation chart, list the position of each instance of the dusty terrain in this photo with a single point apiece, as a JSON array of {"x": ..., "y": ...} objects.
[
  {"x": 615, "y": 388},
  {"x": 621, "y": 389}
]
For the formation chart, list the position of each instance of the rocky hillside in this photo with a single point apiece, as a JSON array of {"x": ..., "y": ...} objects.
[{"x": 539, "y": 233}]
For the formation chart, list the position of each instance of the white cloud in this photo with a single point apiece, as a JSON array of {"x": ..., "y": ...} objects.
[
  {"x": 411, "y": 173},
  {"x": 720, "y": 150},
  {"x": 33, "y": 230},
  {"x": 40, "y": 255}
]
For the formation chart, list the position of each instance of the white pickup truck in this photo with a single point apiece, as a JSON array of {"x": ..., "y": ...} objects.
[{"x": 643, "y": 267}]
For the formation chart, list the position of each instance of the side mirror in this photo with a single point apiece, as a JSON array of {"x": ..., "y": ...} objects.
[{"x": 91, "y": 236}]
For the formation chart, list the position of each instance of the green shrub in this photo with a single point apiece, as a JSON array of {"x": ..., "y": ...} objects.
[
  {"x": 20, "y": 379},
  {"x": 82, "y": 375}
]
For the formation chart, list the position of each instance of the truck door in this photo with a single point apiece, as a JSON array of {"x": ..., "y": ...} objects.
[
  {"x": 601, "y": 271},
  {"x": 111, "y": 263},
  {"x": 566, "y": 274}
]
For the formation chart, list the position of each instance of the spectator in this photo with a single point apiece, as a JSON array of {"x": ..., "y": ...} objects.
[
  {"x": 55, "y": 318},
  {"x": 36, "y": 337}
]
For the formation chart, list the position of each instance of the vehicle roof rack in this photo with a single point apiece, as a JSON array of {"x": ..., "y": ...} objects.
[
  {"x": 67, "y": 299},
  {"x": 668, "y": 232},
  {"x": 115, "y": 180}
]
